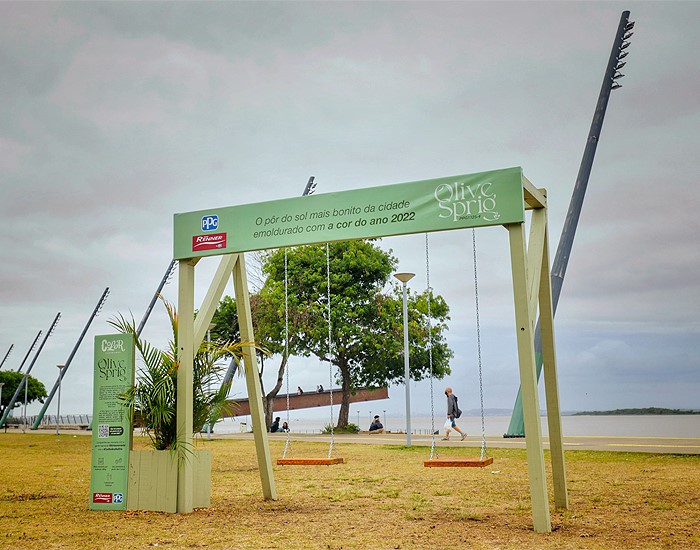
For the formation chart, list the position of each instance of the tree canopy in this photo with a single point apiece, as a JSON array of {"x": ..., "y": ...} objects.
[
  {"x": 366, "y": 318},
  {"x": 36, "y": 391}
]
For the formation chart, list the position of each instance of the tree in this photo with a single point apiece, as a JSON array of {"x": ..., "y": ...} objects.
[
  {"x": 153, "y": 398},
  {"x": 36, "y": 391},
  {"x": 268, "y": 327},
  {"x": 366, "y": 321}
]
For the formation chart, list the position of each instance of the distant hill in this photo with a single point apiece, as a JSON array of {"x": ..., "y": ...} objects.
[{"x": 645, "y": 411}]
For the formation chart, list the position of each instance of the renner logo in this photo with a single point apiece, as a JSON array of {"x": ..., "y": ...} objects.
[
  {"x": 208, "y": 242},
  {"x": 210, "y": 222},
  {"x": 102, "y": 498}
]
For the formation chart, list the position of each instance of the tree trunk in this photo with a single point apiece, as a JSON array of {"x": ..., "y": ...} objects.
[
  {"x": 269, "y": 399},
  {"x": 344, "y": 413}
]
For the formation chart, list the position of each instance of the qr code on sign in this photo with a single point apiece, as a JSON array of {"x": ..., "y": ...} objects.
[{"x": 102, "y": 431}]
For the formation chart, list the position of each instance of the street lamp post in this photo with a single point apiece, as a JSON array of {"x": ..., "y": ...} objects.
[{"x": 404, "y": 278}]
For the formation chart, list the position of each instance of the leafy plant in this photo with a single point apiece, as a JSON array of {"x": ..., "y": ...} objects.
[
  {"x": 350, "y": 428},
  {"x": 36, "y": 391},
  {"x": 153, "y": 398}
]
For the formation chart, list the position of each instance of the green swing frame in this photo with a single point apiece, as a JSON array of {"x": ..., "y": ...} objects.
[{"x": 414, "y": 207}]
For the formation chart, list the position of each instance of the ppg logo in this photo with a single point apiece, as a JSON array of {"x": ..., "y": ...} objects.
[{"x": 210, "y": 222}]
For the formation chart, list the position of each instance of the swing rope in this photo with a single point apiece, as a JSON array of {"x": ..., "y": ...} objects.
[
  {"x": 330, "y": 345},
  {"x": 433, "y": 449},
  {"x": 478, "y": 347},
  {"x": 287, "y": 444}
]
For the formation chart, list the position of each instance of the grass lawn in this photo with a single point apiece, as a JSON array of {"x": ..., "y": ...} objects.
[{"x": 382, "y": 497}]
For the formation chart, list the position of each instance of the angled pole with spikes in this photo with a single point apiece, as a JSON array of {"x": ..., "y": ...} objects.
[
  {"x": 11, "y": 404},
  {"x": 62, "y": 372},
  {"x": 166, "y": 278},
  {"x": 516, "y": 427},
  {"x": 9, "y": 351},
  {"x": 29, "y": 351}
]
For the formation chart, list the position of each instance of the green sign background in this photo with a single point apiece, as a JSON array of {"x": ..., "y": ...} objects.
[
  {"x": 455, "y": 202},
  {"x": 111, "y": 429}
]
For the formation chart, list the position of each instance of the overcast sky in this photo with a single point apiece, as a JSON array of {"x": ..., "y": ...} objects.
[{"x": 114, "y": 116}]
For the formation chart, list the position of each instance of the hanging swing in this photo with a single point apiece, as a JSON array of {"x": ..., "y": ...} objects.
[
  {"x": 330, "y": 459},
  {"x": 435, "y": 460}
]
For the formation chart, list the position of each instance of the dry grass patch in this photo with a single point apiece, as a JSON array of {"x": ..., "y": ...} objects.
[{"x": 382, "y": 497}]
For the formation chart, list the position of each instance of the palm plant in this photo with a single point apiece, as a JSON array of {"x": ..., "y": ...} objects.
[{"x": 153, "y": 398}]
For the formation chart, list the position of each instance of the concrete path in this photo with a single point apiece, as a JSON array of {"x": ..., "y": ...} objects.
[
  {"x": 668, "y": 445},
  {"x": 592, "y": 443}
]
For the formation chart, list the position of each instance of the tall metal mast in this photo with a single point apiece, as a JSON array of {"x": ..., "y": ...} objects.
[
  {"x": 63, "y": 370},
  {"x": 9, "y": 351},
  {"x": 11, "y": 404},
  {"x": 561, "y": 259},
  {"x": 149, "y": 309},
  {"x": 36, "y": 339}
]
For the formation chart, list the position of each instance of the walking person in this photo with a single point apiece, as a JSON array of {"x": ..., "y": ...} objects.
[{"x": 453, "y": 412}]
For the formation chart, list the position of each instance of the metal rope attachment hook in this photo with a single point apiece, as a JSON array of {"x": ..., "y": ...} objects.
[{"x": 478, "y": 348}]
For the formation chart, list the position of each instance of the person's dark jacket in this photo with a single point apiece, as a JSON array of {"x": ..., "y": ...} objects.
[
  {"x": 452, "y": 406},
  {"x": 376, "y": 425}
]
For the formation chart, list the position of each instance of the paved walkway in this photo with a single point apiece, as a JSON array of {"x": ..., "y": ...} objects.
[
  {"x": 593, "y": 443},
  {"x": 670, "y": 445}
]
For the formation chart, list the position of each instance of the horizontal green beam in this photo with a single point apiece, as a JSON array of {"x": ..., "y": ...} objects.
[{"x": 455, "y": 202}]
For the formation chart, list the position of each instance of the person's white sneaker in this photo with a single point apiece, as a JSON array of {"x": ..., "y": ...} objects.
[{"x": 464, "y": 435}]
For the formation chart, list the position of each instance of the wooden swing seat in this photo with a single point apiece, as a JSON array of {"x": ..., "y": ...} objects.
[
  {"x": 458, "y": 462},
  {"x": 310, "y": 461}
]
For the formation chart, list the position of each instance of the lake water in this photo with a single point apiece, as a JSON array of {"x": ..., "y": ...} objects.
[{"x": 642, "y": 426}]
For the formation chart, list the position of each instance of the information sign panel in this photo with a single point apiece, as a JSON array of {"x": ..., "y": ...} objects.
[{"x": 111, "y": 428}]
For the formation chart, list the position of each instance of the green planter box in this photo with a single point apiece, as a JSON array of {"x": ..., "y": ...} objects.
[{"x": 153, "y": 480}]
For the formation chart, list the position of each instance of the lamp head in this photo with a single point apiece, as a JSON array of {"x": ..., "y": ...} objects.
[{"x": 404, "y": 277}]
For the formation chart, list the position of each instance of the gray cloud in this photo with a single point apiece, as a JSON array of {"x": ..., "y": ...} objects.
[{"x": 117, "y": 115}]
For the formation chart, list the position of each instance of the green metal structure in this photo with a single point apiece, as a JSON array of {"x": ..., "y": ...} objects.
[{"x": 498, "y": 197}]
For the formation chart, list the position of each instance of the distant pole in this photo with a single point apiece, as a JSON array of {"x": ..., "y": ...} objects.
[
  {"x": 29, "y": 351},
  {"x": 95, "y": 311},
  {"x": 9, "y": 351},
  {"x": 26, "y": 386},
  {"x": 566, "y": 241},
  {"x": 58, "y": 407},
  {"x": 11, "y": 404},
  {"x": 404, "y": 278},
  {"x": 149, "y": 309}
]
